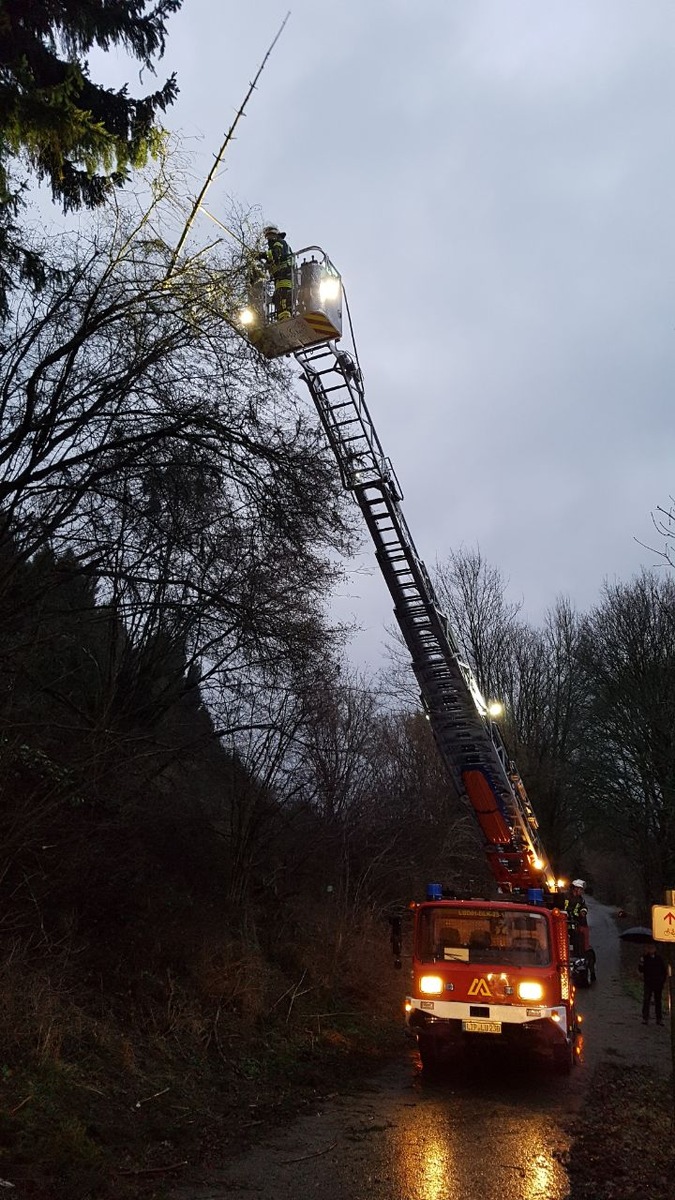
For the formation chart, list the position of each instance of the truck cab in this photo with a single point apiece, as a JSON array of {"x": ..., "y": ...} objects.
[{"x": 491, "y": 970}]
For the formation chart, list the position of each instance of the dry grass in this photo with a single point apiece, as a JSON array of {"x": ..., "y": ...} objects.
[{"x": 97, "y": 1082}]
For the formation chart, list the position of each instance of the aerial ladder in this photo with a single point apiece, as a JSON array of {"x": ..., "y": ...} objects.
[
  {"x": 501, "y": 967},
  {"x": 469, "y": 740}
]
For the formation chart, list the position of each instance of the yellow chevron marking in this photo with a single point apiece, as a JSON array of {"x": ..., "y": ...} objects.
[
  {"x": 319, "y": 323},
  {"x": 479, "y": 988}
]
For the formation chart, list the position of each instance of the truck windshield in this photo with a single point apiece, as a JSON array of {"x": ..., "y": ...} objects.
[{"x": 483, "y": 935}]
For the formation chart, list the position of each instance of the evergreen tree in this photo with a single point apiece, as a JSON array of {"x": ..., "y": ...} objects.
[{"x": 79, "y": 135}]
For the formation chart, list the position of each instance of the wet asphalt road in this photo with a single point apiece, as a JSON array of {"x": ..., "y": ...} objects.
[
  {"x": 489, "y": 1129},
  {"x": 481, "y": 1135}
]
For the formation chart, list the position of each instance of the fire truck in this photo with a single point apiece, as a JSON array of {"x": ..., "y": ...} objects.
[{"x": 482, "y": 969}]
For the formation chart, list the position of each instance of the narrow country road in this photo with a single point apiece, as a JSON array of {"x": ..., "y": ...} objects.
[{"x": 492, "y": 1128}]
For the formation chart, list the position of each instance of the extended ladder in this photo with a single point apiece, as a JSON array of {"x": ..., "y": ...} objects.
[{"x": 469, "y": 741}]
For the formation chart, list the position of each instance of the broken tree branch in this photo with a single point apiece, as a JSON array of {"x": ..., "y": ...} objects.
[{"x": 286, "y": 1162}]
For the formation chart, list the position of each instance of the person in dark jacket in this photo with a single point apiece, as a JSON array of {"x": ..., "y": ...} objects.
[
  {"x": 279, "y": 259},
  {"x": 577, "y": 917},
  {"x": 654, "y": 974}
]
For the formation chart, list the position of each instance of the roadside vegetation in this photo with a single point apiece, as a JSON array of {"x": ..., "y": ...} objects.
[
  {"x": 124, "y": 1092},
  {"x": 206, "y": 815},
  {"x": 623, "y": 1147}
]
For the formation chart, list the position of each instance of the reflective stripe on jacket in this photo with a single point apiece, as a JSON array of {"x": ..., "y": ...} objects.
[{"x": 576, "y": 909}]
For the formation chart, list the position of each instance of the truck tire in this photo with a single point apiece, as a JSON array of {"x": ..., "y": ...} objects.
[
  {"x": 428, "y": 1053},
  {"x": 563, "y": 1058},
  {"x": 583, "y": 977}
]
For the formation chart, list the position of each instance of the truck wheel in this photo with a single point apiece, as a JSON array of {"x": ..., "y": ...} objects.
[
  {"x": 428, "y": 1054},
  {"x": 582, "y": 975},
  {"x": 563, "y": 1058}
]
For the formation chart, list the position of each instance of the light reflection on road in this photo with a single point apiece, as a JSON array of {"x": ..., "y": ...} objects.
[
  {"x": 435, "y": 1171},
  {"x": 542, "y": 1181},
  {"x": 456, "y": 1143},
  {"x": 424, "y": 1162}
]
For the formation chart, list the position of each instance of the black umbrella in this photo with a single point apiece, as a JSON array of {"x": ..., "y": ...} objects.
[{"x": 639, "y": 933}]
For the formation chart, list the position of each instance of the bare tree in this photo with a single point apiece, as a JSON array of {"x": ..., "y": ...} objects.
[
  {"x": 171, "y": 520},
  {"x": 433, "y": 834},
  {"x": 547, "y": 703},
  {"x": 473, "y": 594},
  {"x": 119, "y": 379},
  {"x": 628, "y": 657},
  {"x": 142, "y": 436},
  {"x": 534, "y": 672}
]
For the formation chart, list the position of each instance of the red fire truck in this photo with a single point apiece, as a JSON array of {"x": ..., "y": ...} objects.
[{"x": 496, "y": 968}]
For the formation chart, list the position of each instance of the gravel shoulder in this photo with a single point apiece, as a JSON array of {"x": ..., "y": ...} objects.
[{"x": 622, "y": 1146}]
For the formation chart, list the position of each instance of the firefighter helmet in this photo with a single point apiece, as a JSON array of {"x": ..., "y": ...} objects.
[
  {"x": 271, "y": 231},
  {"x": 580, "y": 883}
]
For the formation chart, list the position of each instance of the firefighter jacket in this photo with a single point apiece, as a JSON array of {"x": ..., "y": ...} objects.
[
  {"x": 280, "y": 263},
  {"x": 575, "y": 907}
]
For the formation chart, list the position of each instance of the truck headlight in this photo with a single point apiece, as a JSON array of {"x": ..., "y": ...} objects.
[
  {"x": 529, "y": 990},
  {"x": 431, "y": 985}
]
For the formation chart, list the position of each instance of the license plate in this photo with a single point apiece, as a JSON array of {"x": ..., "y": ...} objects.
[{"x": 482, "y": 1026}]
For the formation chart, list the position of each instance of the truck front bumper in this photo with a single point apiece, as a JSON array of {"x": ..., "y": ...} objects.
[{"x": 456, "y": 1024}]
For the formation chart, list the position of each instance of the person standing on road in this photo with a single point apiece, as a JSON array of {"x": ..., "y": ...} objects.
[
  {"x": 654, "y": 973},
  {"x": 577, "y": 917}
]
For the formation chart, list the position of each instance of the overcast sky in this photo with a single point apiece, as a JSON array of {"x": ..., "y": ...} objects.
[{"x": 495, "y": 181}]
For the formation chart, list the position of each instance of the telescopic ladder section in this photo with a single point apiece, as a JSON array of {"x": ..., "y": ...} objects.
[{"x": 469, "y": 741}]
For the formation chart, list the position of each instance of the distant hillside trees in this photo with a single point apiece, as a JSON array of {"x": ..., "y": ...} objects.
[
  {"x": 627, "y": 654},
  {"x": 590, "y": 715}
]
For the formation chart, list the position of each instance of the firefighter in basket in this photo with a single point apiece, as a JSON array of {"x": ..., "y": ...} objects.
[{"x": 279, "y": 261}]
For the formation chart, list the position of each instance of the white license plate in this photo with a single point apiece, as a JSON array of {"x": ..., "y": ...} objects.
[{"x": 482, "y": 1026}]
